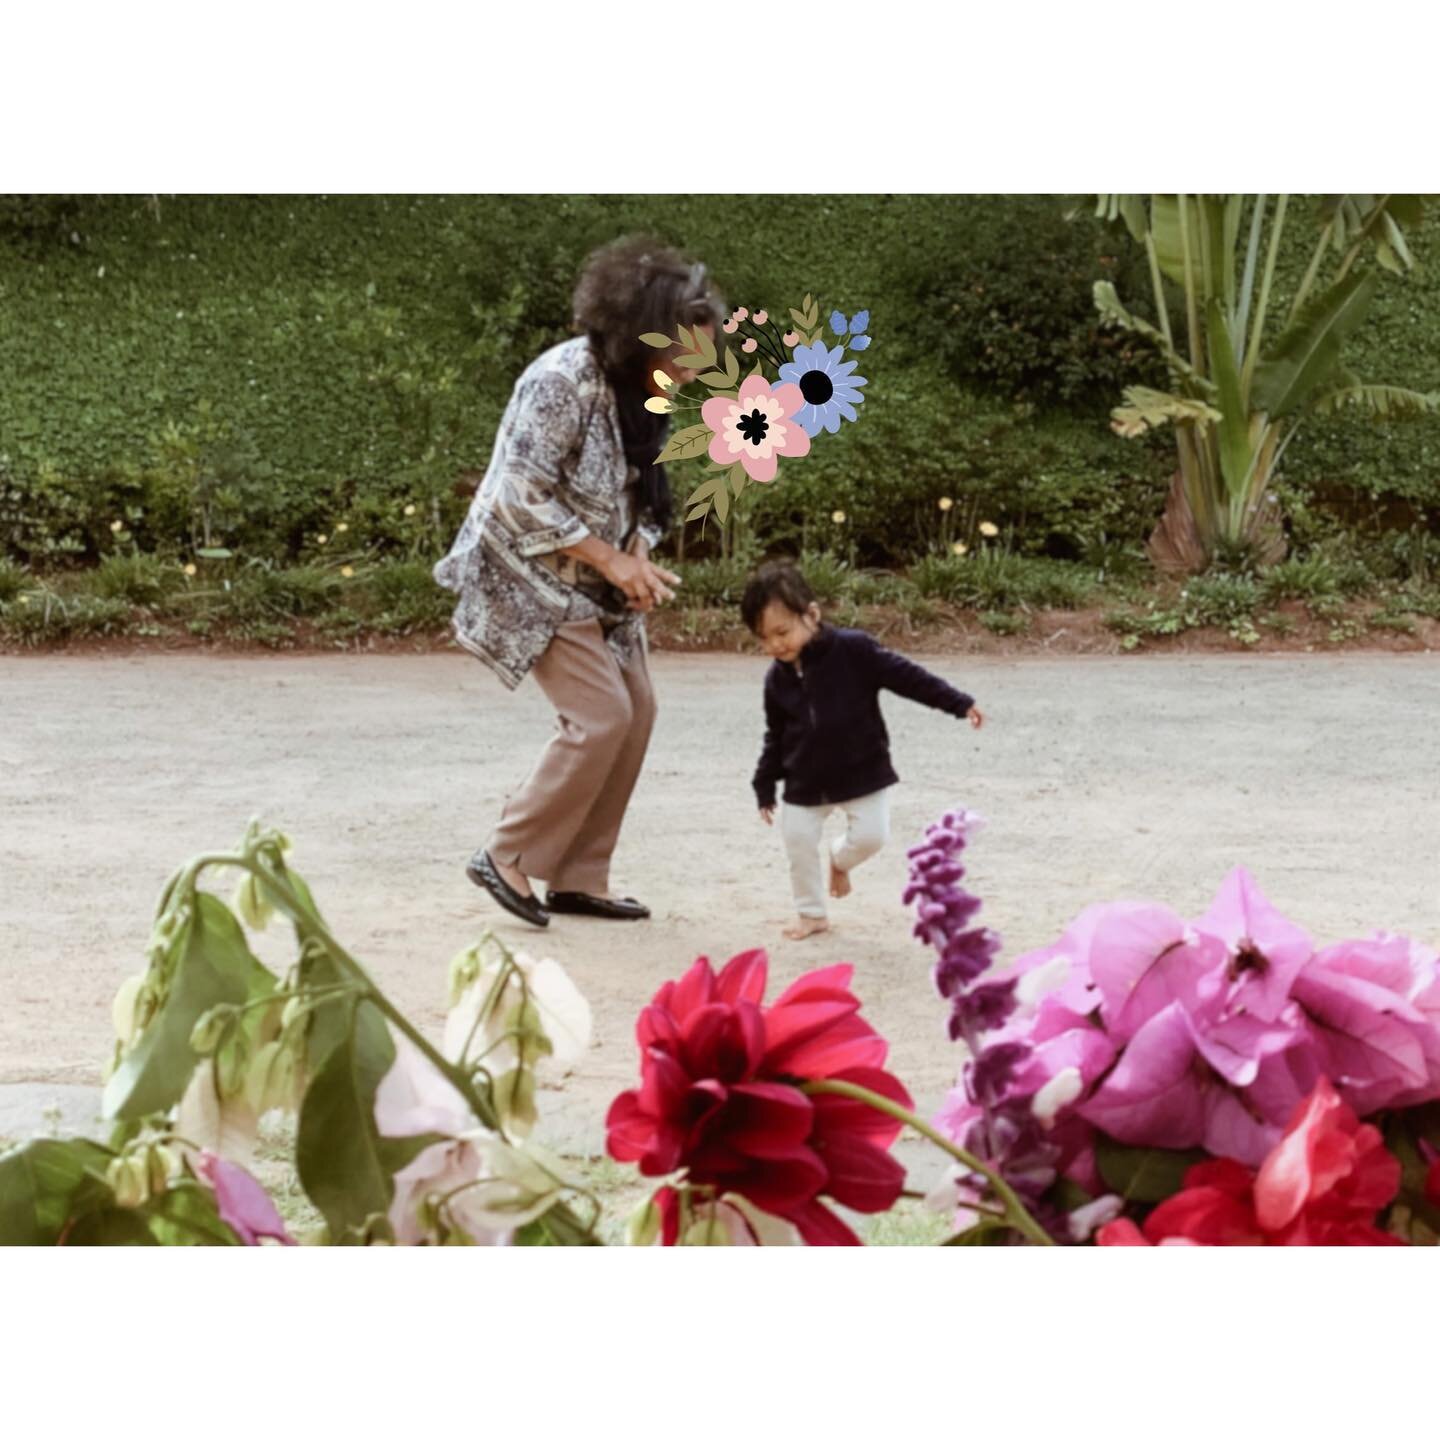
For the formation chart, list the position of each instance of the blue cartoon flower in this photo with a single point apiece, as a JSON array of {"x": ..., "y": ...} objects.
[
  {"x": 851, "y": 332},
  {"x": 830, "y": 390}
]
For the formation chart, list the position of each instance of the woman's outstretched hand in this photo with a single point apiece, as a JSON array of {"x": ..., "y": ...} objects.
[{"x": 645, "y": 584}]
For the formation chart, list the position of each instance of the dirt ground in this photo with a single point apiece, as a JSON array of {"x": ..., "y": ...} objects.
[{"x": 1142, "y": 776}]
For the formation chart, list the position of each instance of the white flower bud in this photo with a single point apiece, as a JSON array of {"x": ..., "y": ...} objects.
[
  {"x": 1055, "y": 1094},
  {"x": 1086, "y": 1219}
]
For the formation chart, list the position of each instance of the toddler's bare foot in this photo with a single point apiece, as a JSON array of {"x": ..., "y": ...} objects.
[
  {"x": 806, "y": 926},
  {"x": 839, "y": 881}
]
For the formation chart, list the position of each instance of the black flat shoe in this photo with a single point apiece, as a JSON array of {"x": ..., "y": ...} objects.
[
  {"x": 482, "y": 871},
  {"x": 572, "y": 902}
]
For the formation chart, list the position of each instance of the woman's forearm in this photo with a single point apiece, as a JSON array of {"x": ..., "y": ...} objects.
[{"x": 593, "y": 551}]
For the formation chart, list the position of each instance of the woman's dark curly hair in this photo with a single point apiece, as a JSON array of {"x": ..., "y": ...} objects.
[{"x": 628, "y": 288}]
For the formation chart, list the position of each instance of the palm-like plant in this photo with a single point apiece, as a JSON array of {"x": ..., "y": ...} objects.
[{"x": 1241, "y": 383}]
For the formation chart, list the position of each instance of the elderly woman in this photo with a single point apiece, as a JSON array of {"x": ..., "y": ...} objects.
[{"x": 553, "y": 571}]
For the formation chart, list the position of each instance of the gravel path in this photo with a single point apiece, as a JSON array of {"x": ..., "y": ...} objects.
[{"x": 1103, "y": 778}]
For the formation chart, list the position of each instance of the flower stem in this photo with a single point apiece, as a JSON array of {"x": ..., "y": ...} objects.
[
  {"x": 315, "y": 929},
  {"x": 1015, "y": 1212}
]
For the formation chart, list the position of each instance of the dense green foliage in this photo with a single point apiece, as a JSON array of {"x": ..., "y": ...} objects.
[{"x": 253, "y": 372}]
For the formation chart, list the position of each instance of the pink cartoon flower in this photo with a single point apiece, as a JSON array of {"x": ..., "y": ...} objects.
[{"x": 757, "y": 428}]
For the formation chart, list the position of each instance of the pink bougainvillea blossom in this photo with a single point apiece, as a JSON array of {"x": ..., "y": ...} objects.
[{"x": 1210, "y": 1032}]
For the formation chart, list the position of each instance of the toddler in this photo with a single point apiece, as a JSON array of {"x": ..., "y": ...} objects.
[{"x": 824, "y": 734}]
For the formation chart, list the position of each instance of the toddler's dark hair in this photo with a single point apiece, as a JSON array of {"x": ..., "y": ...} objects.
[{"x": 775, "y": 580}]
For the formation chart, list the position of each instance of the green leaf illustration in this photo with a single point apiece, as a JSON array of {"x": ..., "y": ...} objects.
[
  {"x": 686, "y": 444},
  {"x": 657, "y": 341}
]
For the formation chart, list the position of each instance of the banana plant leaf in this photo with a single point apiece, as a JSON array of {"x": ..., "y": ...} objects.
[
  {"x": 1308, "y": 353},
  {"x": 1145, "y": 409},
  {"x": 1381, "y": 402},
  {"x": 1113, "y": 312},
  {"x": 1237, "y": 456}
]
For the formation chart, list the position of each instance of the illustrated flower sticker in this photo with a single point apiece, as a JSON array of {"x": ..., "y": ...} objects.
[
  {"x": 852, "y": 332},
  {"x": 826, "y": 381},
  {"x": 757, "y": 427},
  {"x": 796, "y": 387}
]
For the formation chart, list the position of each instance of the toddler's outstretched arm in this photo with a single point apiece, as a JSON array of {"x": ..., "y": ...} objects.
[{"x": 914, "y": 682}]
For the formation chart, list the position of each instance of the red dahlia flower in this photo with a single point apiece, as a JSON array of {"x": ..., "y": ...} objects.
[{"x": 720, "y": 1095}]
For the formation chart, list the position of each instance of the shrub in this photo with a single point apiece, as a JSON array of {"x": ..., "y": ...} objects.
[
  {"x": 1010, "y": 305},
  {"x": 12, "y": 581},
  {"x": 263, "y": 595},
  {"x": 718, "y": 582},
  {"x": 48, "y": 617},
  {"x": 408, "y": 597},
  {"x": 1001, "y": 622},
  {"x": 1222, "y": 599},
  {"x": 997, "y": 580},
  {"x": 137, "y": 579}
]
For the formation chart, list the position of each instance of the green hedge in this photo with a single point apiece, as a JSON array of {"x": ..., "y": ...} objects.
[{"x": 268, "y": 368}]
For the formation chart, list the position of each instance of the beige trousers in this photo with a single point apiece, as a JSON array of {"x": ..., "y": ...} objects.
[{"x": 562, "y": 824}]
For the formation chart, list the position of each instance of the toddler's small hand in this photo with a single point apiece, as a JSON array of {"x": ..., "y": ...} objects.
[
  {"x": 767, "y": 814},
  {"x": 975, "y": 718}
]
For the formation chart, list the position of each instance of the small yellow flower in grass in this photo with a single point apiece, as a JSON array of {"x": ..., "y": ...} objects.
[
  {"x": 341, "y": 528},
  {"x": 989, "y": 530},
  {"x": 322, "y": 539},
  {"x": 658, "y": 406},
  {"x": 409, "y": 509},
  {"x": 838, "y": 517},
  {"x": 946, "y": 502},
  {"x": 191, "y": 569},
  {"x": 116, "y": 526},
  {"x": 959, "y": 547},
  {"x": 347, "y": 571}
]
